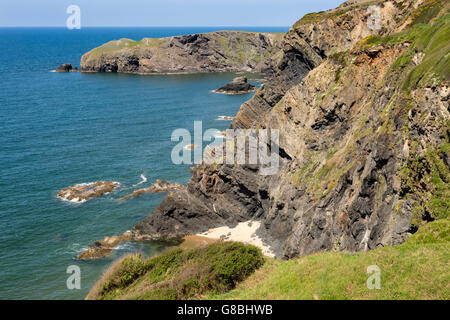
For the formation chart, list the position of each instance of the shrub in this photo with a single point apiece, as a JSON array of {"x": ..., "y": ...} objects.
[{"x": 181, "y": 274}]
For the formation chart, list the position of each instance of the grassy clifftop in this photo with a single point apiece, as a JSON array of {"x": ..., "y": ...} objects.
[
  {"x": 417, "y": 269},
  {"x": 206, "y": 52}
]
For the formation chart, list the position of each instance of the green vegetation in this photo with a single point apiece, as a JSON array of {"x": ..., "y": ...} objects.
[
  {"x": 340, "y": 11},
  {"x": 425, "y": 180},
  {"x": 427, "y": 11},
  {"x": 432, "y": 41},
  {"x": 116, "y": 45},
  {"x": 417, "y": 269},
  {"x": 179, "y": 274}
]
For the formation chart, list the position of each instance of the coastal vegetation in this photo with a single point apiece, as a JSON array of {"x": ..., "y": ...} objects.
[{"x": 179, "y": 274}]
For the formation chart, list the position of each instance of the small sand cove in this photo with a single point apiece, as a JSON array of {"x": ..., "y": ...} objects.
[{"x": 244, "y": 232}]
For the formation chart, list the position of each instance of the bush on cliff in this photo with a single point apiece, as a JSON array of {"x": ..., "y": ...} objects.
[{"x": 179, "y": 274}]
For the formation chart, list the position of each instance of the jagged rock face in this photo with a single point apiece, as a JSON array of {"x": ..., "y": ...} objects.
[
  {"x": 223, "y": 51},
  {"x": 212, "y": 199},
  {"x": 309, "y": 42},
  {"x": 364, "y": 141}
]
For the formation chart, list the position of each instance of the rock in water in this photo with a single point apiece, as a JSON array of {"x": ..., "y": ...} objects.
[
  {"x": 158, "y": 187},
  {"x": 100, "y": 248},
  {"x": 66, "y": 67},
  {"x": 239, "y": 85},
  {"x": 86, "y": 191}
]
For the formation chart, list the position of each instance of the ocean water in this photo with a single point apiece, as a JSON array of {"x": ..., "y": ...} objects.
[{"x": 60, "y": 129}]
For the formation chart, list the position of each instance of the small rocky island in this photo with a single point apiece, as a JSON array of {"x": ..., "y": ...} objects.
[
  {"x": 239, "y": 85},
  {"x": 66, "y": 67},
  {"x": 86, "y": 191}
]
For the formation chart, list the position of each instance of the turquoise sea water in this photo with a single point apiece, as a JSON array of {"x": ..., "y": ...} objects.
[{"x": 58, "y": 129}]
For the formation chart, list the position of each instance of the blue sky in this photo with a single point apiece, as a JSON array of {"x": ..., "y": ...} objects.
[{"x": 161, "y": 12}]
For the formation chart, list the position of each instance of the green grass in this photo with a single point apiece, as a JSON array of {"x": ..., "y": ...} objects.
[
  {"x": 179, "y": 274},
  {"x": 417, "y": 269}
]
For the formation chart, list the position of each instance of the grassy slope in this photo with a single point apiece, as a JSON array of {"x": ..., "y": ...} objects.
[{"x": 417, "y": 269}]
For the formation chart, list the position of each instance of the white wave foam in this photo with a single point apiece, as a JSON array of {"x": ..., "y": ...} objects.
[
  {"x": 144, "y": 180},
  {"x": 224, "y": 118},
  {"x": 74, "y": 200}
]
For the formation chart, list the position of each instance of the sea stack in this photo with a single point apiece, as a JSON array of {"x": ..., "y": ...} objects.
[{"x": 239, "y": 85}]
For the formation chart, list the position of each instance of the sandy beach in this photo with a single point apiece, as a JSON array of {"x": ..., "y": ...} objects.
[{"x": 243, "y": 232}]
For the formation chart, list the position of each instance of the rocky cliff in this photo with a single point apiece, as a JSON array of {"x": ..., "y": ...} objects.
[
  {"x": 222, "y": 51},
  {"x": 363, "y": 116}
]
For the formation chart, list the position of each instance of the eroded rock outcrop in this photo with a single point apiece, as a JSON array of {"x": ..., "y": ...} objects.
[
  {"x": 363, "y": 122},
  {"x": 222, "y": 51}
]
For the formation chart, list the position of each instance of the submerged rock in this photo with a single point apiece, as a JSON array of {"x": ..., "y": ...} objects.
[
  {"x": 86, "y": 191},
  {"x": 158, "y": 187},
  {"x": 239, "y": 85}
]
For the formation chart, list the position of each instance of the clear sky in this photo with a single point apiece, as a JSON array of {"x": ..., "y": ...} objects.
[{"x": 161, "y": 12}]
